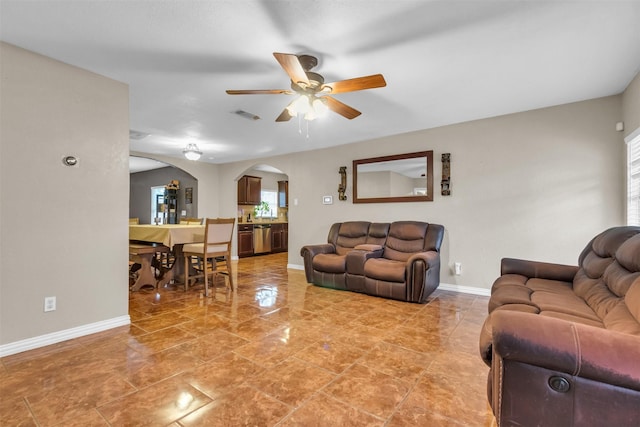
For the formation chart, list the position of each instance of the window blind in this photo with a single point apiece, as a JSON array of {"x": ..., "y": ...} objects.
[{"x": 633, "y": 182}]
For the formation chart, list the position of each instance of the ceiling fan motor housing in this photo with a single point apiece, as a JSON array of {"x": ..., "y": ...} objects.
[
  {"x": 315, "y": 81},
  {"x": 307, "y": 61}
]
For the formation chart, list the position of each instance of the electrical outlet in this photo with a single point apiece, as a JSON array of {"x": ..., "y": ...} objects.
[
  {"x": 49, "y": 304},
  {"x": 458, "y": 268}
]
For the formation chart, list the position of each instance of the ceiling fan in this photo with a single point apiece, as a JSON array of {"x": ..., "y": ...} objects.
[{"x": 314, "y": 92}]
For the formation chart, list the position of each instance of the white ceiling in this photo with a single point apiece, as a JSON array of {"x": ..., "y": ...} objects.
[
  {"x": 444, "y": 62},
  {"x": 141, "y": 164}
]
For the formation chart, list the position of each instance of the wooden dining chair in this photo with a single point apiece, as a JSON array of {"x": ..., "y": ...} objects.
[{"x": 214, "y": 253}]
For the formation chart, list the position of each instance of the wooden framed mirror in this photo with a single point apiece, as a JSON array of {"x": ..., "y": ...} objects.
[{"x": 397, "y": 178}]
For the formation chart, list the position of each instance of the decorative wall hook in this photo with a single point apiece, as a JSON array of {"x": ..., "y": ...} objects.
[
  {"x": 445, "y": 184},
  {"x": 342, "y": 188}
]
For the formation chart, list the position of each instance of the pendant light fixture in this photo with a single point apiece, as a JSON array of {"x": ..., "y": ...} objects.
[{"x": 191, "y": 152}]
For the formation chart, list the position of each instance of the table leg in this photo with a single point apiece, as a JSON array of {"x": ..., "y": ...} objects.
[
  {"x": 146, "y": 274},
  {"x": 176, "y": 272}
]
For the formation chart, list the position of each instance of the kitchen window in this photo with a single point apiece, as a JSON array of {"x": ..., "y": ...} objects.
[
  {"x": 633, "y": 181},
  {"x": 271, "y": 197}
]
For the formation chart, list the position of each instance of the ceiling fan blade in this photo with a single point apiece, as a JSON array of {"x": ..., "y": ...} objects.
[
  {"x": 292, "y": 66},
  {"x": 260, "y": 92},
  {"x": 341, "y": 108},
  {"x": 284, "y": 116},
  {"x": 359, "y": 83}
]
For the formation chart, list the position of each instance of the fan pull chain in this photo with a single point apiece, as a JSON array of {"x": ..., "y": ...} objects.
[{"x": 308, "y": 135}]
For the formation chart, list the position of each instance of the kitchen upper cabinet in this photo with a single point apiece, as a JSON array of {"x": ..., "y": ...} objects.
[
  {"x": 249, "y": 190},
  {"x": 283, "y": 194}
]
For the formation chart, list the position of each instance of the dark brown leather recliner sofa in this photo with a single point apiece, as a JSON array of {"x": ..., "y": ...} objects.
[
  {"x": 563, "y": 342},
  {"x": 398, "y": 260}
]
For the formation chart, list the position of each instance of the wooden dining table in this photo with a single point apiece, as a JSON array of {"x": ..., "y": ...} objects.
[{"x": 170, "y": 236}]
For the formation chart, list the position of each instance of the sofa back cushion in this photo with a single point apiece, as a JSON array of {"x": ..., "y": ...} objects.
[
  {"x": 349, "y": 235},
  {"x": 609, "y": 267},
  {"x": 405, "y": 238},
  {"x": 378, "y": 232}
]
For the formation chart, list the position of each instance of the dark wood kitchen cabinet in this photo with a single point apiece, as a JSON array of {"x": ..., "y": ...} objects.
[
  {"x": 285, "y": 237},
  {"x": 279, "y": 237},
  {"x": 249, "y": 188},
  {"x": 245, "y": 240}
]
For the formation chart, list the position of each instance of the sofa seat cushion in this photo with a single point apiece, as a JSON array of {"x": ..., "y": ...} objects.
[
  {"x": 553, "y": 298},
  {"x": 385, "y": 269},
  {"x": 511, "y": 295},
  {"x": 567, "y": 304},
  {"x": 330, "y": 263},
  {"x": 572, "y": 318}
]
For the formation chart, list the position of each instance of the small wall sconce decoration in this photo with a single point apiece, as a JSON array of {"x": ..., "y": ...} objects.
[
  {"x": 342, "y": 188},
  {"x": 445, "y": 184},
  {"x": 70, "y": 161}
]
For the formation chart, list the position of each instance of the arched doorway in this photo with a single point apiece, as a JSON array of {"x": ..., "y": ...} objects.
[
  {"x": 147, "y": 177},
  {"x": 263, "y": 211}
]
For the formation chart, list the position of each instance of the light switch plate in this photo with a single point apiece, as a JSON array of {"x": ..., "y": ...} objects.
[{"x": 49, "y": 304}]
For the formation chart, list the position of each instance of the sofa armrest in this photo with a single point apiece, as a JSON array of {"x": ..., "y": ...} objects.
[
  {"x": 422, "y": 275},
  {"x": 540, "y": 270},
  {"x": 575, "y": 349},
  {"x": 430, "y": 258},
  {"x": 309, "y": 251},
  {"x": 313, "y": 250}
]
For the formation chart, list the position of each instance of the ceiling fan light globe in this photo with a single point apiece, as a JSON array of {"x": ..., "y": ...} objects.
[
  {"x": 320, "y": 107},
  {"x": 191, "y": 152},
  {"x": 190, "y": 155},
  {"x": 302, "y": 105}
]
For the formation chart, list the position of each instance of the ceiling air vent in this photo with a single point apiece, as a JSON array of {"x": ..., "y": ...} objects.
[{"x": 247, "y": 115}]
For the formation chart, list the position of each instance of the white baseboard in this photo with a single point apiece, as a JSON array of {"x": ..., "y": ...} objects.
[
  {"x": 465, "y": 289},
  {"x": 295, "y": 266},
  {"x": 67, "y": 334}
]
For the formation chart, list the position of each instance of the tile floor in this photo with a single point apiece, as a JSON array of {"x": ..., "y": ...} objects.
[{"x": 278, "y": 352}]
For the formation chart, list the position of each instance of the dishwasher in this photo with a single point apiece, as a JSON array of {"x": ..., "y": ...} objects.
[{"x": 261, "y": 238}]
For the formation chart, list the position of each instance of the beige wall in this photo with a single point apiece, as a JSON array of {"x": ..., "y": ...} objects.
[
  {"x": 63, "y": 229},
  {"x": 537, "y": 184},
  {"x": 631, "y": 107}
]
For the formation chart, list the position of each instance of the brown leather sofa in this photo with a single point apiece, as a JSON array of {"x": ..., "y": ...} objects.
[
  {"x": 398, "y": 260},
  {"x": 563, "y": 342}
]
